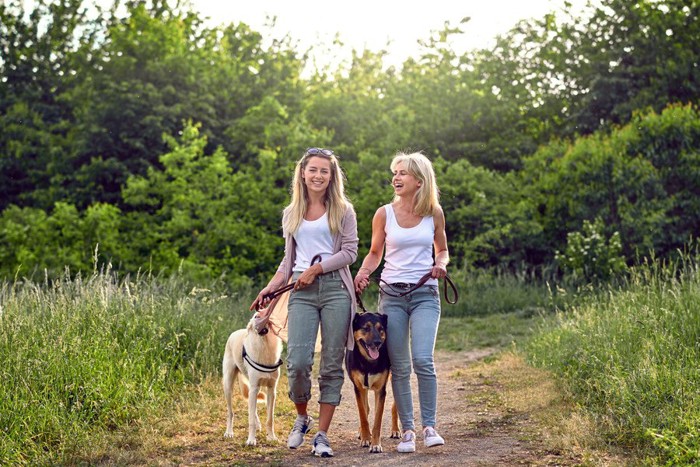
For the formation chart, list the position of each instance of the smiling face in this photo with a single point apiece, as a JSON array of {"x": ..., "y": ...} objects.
[
  {"x": 317, "y": 174},
  {"x": 403, "y": 182}
]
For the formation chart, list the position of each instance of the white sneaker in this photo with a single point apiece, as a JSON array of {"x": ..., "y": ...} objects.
[
  {"x": 408, "y": 442},
  {"x": 322, "y": 447},
  {"x": 432, "y": 438},
  {"x": 300, "y": 428}
]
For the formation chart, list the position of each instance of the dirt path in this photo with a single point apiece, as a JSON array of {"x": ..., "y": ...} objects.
[
  {"x": 472, "y": 438},
  {"x": 485, "y": 417}
]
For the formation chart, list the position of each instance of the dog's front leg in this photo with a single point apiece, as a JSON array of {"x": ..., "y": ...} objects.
[
  {"x": 229, "y": 376},
  {"x": 271, "y": 395},
  {"x": 379, "y": 399},
  {"x": 253, "y": 420},
  {"x": 363, "y": 410}
]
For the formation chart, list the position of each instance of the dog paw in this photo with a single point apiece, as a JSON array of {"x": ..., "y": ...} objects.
[
  {"x": 228, "y": 434},
  {"x": 395, "y": 435},
  {"x": 364, "y": 443},
  {"x": 251, "y": 442},
  {"x": 272, "y": 437},
  {"x": 376, "y": 448}
]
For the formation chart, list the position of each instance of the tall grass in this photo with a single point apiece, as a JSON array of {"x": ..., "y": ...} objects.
[
  {"x": 631, "y": 356},
  {"x": 485, "y": 292},
  {"x": 80, "y": 355}
]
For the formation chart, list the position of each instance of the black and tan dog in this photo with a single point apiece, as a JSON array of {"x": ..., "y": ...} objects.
[{"x": 369, "y": 369}]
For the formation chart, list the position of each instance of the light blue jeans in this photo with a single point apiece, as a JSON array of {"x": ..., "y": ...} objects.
[
  {"x": 325, "y": 304},
  {"x": 412, "y": 327}
]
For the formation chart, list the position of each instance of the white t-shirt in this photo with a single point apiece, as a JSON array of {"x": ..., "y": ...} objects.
[
  {"x": 409, "y": 251},
  {"x": 312, "y": 238}
]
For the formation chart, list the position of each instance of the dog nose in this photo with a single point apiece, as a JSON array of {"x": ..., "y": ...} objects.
[{"x": 263, "y": 331}]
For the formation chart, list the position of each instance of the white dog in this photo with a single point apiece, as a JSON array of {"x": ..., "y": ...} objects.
[{"x": 254, "y": 358}]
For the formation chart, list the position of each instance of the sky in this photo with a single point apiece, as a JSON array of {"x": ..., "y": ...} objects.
[{"x": 371, "y": 24}]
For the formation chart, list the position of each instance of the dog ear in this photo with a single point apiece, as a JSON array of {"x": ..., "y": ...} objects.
[{"x": 385, "y": 319}]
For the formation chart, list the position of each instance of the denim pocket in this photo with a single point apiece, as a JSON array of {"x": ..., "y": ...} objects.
[{"x": 434, "y": 291}]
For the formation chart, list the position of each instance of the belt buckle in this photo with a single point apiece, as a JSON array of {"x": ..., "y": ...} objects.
[{"x": 401, "y": 285}]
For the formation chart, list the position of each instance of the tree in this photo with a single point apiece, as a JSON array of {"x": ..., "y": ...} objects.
[
  {"x": 38, "y": 67},
  {"x": 198, "y": 216}
]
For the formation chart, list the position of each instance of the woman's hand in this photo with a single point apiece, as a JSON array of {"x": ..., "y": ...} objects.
[
  {"x": 361, "y": 280},
  {"x": 438, "y": 272},
  {"x": 308, "y": 277},
  {"x": 262, "y": 300}
]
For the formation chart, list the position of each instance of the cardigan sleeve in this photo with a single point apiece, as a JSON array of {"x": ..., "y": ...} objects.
[
  {"x": 347, "y": 254},
  {"x": 287, "y": 262}
]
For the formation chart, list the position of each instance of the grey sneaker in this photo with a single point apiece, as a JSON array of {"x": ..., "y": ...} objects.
[
  {"x": 408, "y": 442},
  {"x": 300, "y": 428},
  {"x": 322, "y": 447},
  {"x": 432, "y": 438}
]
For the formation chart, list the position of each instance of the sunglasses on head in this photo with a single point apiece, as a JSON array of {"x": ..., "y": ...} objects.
[{"x": 316, "y": 151}]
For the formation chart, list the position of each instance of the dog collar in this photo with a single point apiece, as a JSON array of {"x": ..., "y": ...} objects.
[{"x": 260, "y": 366}]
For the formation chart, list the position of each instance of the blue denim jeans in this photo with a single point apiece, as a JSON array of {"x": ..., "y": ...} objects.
[
  {"x": 412, "y": 327},
  {"x": 325, "y": 304}
]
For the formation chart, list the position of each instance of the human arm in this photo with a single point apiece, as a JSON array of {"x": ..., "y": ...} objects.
[
  {"x": 376, "y": 250},
  {"x": 347, "y": 254},
  {"x": 442, "y": 255},
  {"x": 280, "y": 278},
  {"x": 275, "y": 283}
]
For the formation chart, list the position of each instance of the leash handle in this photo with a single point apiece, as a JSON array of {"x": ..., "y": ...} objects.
[
  {"x": 281, "y": 290},
  {"x": 423, "y": 280}
]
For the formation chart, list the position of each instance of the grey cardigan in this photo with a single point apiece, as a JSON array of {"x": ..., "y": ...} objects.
[{"x": 344, "y": 254}]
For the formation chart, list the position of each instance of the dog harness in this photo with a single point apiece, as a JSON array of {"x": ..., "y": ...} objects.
[{"x": 260, "y": 366}]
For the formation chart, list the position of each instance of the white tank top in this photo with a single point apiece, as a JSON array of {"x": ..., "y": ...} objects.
[
  {"x": 409, "y": 251},
  {"x": 312, "y": 238}
]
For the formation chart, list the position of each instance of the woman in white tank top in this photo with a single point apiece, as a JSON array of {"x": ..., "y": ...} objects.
[{"x": 412, "y": 230}]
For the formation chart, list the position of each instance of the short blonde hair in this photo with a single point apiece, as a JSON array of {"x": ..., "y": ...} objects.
[
  {"x": 428, "y": 195},
  {"x": 336, "y": 201}
]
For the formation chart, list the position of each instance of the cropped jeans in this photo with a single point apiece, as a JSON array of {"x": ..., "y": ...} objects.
[
  {"x": 411, "y": 331},
  {"x": 325, "y": 304}
]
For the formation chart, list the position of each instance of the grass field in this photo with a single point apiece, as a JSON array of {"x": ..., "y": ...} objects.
[{"x": 84, "y": 359}]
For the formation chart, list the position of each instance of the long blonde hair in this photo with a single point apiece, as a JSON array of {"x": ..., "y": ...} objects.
[
  {"x": 335, "y": 200},
  {"x": 427, "y": 197}
]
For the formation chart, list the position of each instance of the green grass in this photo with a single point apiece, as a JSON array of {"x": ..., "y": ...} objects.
[
  {"x": 483, "y": 293},
  {"x": 631, "y": 356},
  {"x": 498, "y": 330},
  {"x": 78, "y": 356}
]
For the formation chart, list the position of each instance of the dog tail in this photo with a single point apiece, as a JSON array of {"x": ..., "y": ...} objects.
[{"x": 245, "y": 391}]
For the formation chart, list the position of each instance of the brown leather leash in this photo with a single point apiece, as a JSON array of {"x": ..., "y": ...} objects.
[
  {"x": 290, "y": 286},
  {"x": 413, "y": 288}
]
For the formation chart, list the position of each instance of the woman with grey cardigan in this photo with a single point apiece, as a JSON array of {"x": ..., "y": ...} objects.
[{"x": 319, "y": 220}]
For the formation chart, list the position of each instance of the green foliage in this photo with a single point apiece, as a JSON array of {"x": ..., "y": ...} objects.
[
  {"x": 38, "y": 51},
  {"x": 589, "y": 256},
  {"x": 201, "y": 218},
  {"x": 625, "y": 178},
  {"x": 32, "y": 241},
  {"x": 485, "y": 292},
  {"x": 485, "y": 219},
  {"x": 681, "y": 447},
  {"x": 629, "y": 356},
  {"x": 85, "y": 102},
  {"x": 81, "y": 356}
]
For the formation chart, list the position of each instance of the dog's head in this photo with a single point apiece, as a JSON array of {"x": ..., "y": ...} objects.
[
  {"x": 258, "y": 325},
  {"x": 369, "y": 330}
]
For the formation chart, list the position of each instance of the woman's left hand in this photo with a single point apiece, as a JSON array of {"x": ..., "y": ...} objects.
[
  {"x": 308, "y": 277},
  {"x": 438, "y": 272}
]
